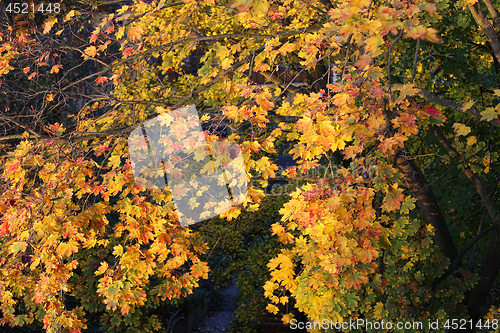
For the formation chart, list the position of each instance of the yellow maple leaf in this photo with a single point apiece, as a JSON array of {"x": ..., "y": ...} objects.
[
  {"x": 102, "y": 268},
  {"x": 118, "y": 250},
  {"x": 70, "y": 15},
  {"x": 90, "y": 51},
  {"x": 272, "y": 308},
  {"x": 461, "y": 129},
  {"x": 373, "y": 43},
  {"x": 489, "y": 114},
  {"x": 405, "y": 90},
  {"x": 230, "y": 111},
  {"x": 260, "y": 7},
  {"x": 226, "y": 63},
  {"x": 18, "y": 247},
  {"x": 468, "y": 105},
  {"x": 232, "y": 213},
  {"x": 326, "y": 128},
  {"x": 286, "y": 318},
  {"x": 471, "y": 140},
  {"x": 286, "y": 48},
  {"x": 67, "y": 249},
  {"x": 360, "y": 3},
  {"x": 340, "y": 99},
  {"x": 378, "y": 311},
  {"x": 304, "y": 124},
  {"x": 47, "y": 26}
]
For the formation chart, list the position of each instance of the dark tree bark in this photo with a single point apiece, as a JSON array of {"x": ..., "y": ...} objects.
[{"x": 426, "y": 203}]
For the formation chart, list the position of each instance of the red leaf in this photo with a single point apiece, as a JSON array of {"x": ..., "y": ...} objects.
[
  {"x": 432, "y": 111},
  {"x": 12, "y": 168},
  {"x": 110, "y": 29},
  {"x": 128, "y": 51}
]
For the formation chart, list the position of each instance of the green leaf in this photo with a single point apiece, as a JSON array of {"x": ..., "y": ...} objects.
[
  {"x": 205, "y": 70},
  {"x": 113, "y": 290},
  {"x": 18, "y": 247},
  {"x": 408, "y": 205},
  {"x": 351, "y": 300}
]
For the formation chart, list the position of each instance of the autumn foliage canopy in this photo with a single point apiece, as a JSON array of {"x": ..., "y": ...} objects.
[{"x": 396, "y": 102}]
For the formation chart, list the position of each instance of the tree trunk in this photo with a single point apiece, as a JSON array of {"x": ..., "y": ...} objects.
[{"x": 427, "y": 204}]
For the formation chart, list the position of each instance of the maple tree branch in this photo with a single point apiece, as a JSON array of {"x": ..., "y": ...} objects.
[
  {"x": 400, "y": 34},
  {"x": 85, "y": 55},
  {"x": 493, "y": 12},
  {"x": 72, "y": 137},
  {"x": 476, "y": 182},
  {"x": 283, "y": 119},
  {"x": 215, "y": 80},
  {"x": 488, "y": 272},
  {"x": 451, "y": 104},
  {"x": 20, "y": 125},
  {"x": 309, "y": 179},
  {"x": 480, "y": 228},
  {"x": 282, "y": 36},
  {"x": 94, "y": 135},
  {"x": 82, "y": 80},
  {"x": 14, "y": 136},
  {"x": 485, "y": 25},
  {"x": 280, "y": 82}
]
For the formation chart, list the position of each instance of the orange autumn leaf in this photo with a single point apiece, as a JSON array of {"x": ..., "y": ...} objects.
[
  {"x": 393, "y": 198},
  {"x": 127, "y": 52},
  {"x": 91, "y": 51},
  {"x": 432, "y": 35},
  {"x": 55, "y": 69},
  {"x": 134, "y": 33},
  {"x": 101, "y": 80}
]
